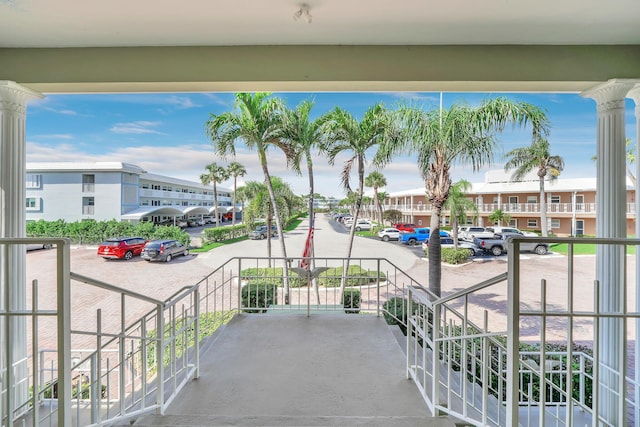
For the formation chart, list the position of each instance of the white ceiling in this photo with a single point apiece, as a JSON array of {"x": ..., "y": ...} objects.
[{"x": 88, "y": 23}]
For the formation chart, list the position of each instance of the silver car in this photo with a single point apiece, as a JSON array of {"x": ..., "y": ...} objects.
[{"x": 163, "y": 250}]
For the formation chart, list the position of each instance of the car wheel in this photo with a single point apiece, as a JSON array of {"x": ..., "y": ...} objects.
[
  {"x": 186, "y": 252},
  {"x": 262, "y": 237},
  {"x": 47, "y": 246},
  {"x": 496, "y": 250},
  {"x": 540, "y": 249},
  {"x": 472, "y": 252},
  {"x": 412, "y": 242},
  {"x": 357, "y": 228},
  {"x": 385, "y": 238},
  {"x": 168, "y": 258},
  {"x": 128, "y": 255}
]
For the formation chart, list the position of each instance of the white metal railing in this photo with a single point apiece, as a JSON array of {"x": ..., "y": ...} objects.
[
  {"x": 134, "y": 360},
  {"x": 533, "y": 208},
  {"x": 512, "y": 367}
]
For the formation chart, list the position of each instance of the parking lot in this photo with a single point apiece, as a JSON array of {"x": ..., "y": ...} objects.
[{"x": 160, "y": 280}]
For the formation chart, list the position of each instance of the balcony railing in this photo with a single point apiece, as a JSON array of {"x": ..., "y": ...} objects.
[
  {"x": 469, "y": 365},
  {"x": 512, "y": 208}
]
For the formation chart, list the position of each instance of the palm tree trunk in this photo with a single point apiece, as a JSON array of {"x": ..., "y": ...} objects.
[
  {"x": 215, "y": 202},
  {"x": 352, "y": 233},
  {"x": 543, "y": 209},
  {"x": 435, "y": 250},
  {"x": 312, "y": 221},
  {"x": 276, "y": 212},
  {"x": 233, "y": 207}
]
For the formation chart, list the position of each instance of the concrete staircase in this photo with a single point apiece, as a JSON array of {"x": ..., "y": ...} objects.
[{"x": 329, "y": 369}]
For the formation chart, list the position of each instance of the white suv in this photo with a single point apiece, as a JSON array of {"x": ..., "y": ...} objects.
[
  {"x": 501, "y": 230},
  {"x": 362, "y": 224}
]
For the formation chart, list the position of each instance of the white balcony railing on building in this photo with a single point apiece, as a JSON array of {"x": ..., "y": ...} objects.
[{"x": 513, "y": 208}]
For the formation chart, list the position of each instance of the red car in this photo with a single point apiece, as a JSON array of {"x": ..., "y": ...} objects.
[
  {"x": 405, "y": 227},
  {"x": 122, "y": 248}
]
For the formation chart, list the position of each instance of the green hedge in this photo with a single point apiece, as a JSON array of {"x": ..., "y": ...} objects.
[
  {"x": 351, "y": 301},
  {"x": 395, "y": 312},
  {"x": 94, "y": 232},
  {"x": 356, "y": 276},
  {"x": 258, "y": 297},
  {"x": 220, "y": 234},
  {"x": 271, "y": 275}
]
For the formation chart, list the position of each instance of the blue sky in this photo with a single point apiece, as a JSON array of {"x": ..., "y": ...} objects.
[{"x": 165, "y": 133}]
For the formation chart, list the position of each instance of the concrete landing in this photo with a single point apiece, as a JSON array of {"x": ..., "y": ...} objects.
[{"x": 328, "y": 369}]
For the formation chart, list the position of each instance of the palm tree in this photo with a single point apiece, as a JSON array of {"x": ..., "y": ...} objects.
[
  {"x": 305, "y": 135},
  {"x": 458, "y": 205},
  {"x": 344, "y": 134},
  {"x": 462, "y": 135},
  {"x": 500, "y": 217},
  {"x": 235, "y": 170},
  {"x": 215, "y": 174},
  {"x": 257, "y": 121},
  {"x": 537, "y": 157},
  {"x": 376, "y": 180}
]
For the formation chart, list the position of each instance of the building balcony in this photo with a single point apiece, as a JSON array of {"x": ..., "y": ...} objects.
[{"x": 582, "y": 209}]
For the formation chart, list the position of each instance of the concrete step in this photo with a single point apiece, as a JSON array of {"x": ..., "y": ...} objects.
[{"x": 284, "y": 421}]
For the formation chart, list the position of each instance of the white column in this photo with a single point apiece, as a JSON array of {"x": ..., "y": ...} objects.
[
  {"x": 13, "y": 112},
  {"x": 635, "y": 95},
  {"x": 611, "y": 222}
]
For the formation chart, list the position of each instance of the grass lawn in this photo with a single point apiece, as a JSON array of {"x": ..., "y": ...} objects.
[
  {"x": 209, "y": 246},
  {"x": 583, "y": 249}
]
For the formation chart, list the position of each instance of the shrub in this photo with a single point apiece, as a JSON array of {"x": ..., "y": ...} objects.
[
  {"x": 271, "y": 275},
  {"x": 351, "y": 300},
  {"x": 219, "y": 234},
  {"x": 356, "y": 276},
  {"x": 455, "y": 256},
  {"x": 395, "y": 310},
  {"x": 259, "y": 296}
]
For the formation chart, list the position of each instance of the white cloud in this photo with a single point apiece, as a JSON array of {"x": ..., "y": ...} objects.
[{"x": 139, "y": 127}]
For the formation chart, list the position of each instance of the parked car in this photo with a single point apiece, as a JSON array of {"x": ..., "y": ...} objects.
[
  {"x": 362, "y": 224},
  {"x": 405, "y": 227},
  {"x": 468, "y": 233},
  {"x": 498, "y": 244},
  {"x": 122, "y": 247},
  {"x": 261, "y": 232},
  {"x": 505, "y": 230},
  {"x": 418, "y": 236},
  {"x": 163, "y": 250},
  {"x": 387, "y": 234},
  {"x": 447, "y": 242},
  {"x": 36, "y": 246}
]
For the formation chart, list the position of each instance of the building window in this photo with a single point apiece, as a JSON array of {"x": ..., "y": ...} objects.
[
  {"x": 33, "y": 203},
  {"x": 88, "y": 204},
  {"x": 532, "y": 223},
  {"x": 155, "y": 203},
  {"x": 555, "y": 223},
  {"x": 532, "y": 199},
  {"x": 155, "y": 187},
  {"x": 88, "y": 183},
  {"x": 34, "y": 180},
  {"x": 555, "y": 199}
]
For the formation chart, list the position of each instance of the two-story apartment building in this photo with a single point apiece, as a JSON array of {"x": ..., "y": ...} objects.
[
  {"x": 114, "y": 190},
  {"x": 570, "y": 204}
]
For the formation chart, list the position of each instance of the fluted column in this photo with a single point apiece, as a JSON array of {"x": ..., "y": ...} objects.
[
  {"x": 635, "y": 95},
  {"x": 611, "y": 222},
  {"x": 13, "y": 113}
]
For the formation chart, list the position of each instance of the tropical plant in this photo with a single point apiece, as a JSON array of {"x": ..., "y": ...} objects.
[
  {"x": 345, "y": 134},
  {"x": 257, "y": 121},
  {"x": 458, "y": 205},
  {"x": 235, "y": 170},
  {"x": 461, "y": 134},
  {"x": 376, "y": 180},
  {"x": 536, "y": 156},
  {"x": 215, "y": 174},
  {"x": 499, "y": 216},
  {"x": 392, "y": 215}
]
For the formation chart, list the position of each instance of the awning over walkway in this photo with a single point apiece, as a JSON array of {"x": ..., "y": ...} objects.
[
  {"x": 195, "y": 210},
  {"x": 143, "y": 211}
]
